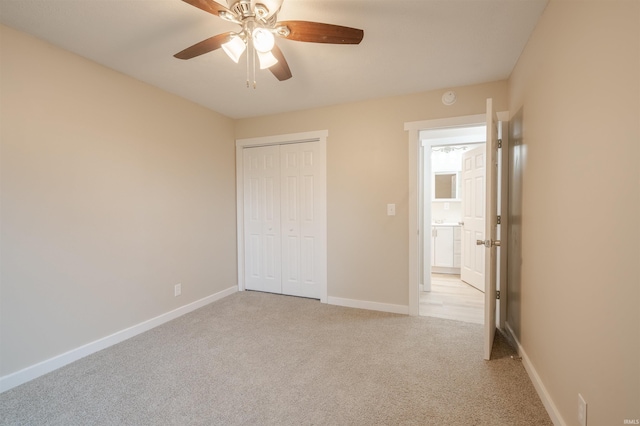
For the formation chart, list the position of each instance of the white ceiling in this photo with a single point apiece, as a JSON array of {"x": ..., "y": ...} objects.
[{"x": 409, "y": 46}]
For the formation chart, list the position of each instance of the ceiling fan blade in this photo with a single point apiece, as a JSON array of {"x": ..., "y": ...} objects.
[
  {"x": 209, "y": 6},
  {"x": 317, "y": 32},
  {"x": 281, "y": 69},
  {"x": 205, "y": 46}
]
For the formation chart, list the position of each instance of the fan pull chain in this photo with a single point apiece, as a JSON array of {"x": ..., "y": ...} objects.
[
  {"x": 253, "y": 51},
  {"x": 247, "y": 70},
  {"x": 251, "y": 57}
]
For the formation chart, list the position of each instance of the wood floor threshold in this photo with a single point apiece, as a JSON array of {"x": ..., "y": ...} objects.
[{"x": 451, "y": 298}]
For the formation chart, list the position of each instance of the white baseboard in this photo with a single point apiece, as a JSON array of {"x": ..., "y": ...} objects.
[
  {"x": 372, "y": 306},
  {"x": 29, "y": 373},
  {"x": 551, "y": 408}
]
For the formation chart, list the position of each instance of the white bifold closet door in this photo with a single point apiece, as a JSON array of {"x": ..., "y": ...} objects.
[{"x": 281, "y": 219}]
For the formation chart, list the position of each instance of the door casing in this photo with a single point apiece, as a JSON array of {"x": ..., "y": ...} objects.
[{"x": 417, "y": 213}]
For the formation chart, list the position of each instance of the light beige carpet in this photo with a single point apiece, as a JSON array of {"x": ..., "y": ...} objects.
[{"x": 262, "y": 359}]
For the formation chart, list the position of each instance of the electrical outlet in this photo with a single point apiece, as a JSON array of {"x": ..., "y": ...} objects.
[
  {"x": 582, "y": 411},
  {"x": 177, "y": 289}
]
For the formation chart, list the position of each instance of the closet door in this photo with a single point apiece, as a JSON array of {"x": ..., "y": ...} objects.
[
  {"x": 301, "y": 219},
  {"x": 262, "y": 233}
]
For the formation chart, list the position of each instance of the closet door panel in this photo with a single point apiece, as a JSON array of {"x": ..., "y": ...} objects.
[
  {"x": 262, "y": 230},
  {"x": 284, "y": 217},
  {"x": 301, "y": 223}
]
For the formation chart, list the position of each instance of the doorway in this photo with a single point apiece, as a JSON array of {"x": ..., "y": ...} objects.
[
  {"x": 453, "y": 202},
  {"x": 494, "y": 204}
]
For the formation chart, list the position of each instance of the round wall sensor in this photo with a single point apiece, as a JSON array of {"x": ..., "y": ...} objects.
[{"x": 449, "y": 98}]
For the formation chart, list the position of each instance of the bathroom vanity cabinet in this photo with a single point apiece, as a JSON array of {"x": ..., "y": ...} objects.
[{"x": 446, "y": 246}]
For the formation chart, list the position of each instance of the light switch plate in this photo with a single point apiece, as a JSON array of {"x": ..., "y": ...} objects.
[{"x": 391, "y": 209}]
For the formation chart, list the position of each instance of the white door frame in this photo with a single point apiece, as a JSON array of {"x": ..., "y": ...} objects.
[
  {"x": 417, "y": 214},
  {"x": 314, "y": 136}
]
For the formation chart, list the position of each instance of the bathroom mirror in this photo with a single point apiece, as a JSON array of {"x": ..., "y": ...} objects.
[{"x": 446, "y": 186}]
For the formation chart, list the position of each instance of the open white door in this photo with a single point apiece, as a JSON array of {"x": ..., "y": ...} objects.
[
  {"x": 490, "y": 235},
  {"x": 474, "y": 165}
]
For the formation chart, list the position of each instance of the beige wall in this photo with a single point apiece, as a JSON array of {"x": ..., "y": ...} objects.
[
  {"x": 112, "y": 192},
  {"x": 578, "y": 86},
  {"x": 367, "y": 160}
]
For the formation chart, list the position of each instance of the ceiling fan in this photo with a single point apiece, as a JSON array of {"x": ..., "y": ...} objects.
[{"x": 258, "y": 19}]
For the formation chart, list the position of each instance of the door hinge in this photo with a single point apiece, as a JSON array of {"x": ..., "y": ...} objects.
[
  {"x": 499, "y": 143},
  {"x": 499, "y": 220},
  {"x": 498, "y": 294}
]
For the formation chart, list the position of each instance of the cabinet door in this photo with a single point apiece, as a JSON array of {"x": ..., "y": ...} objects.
[
  {"x": 457, "y": 246},
  {"x": 443, "y": 246}
]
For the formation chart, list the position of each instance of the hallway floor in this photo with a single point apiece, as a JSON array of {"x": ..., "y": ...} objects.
[{"x": 451, "y": 298}]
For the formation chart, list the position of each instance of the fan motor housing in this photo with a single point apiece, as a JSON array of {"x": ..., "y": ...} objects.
[{"x": 264, "y": 12}]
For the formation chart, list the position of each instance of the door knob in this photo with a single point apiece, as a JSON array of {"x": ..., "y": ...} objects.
[
  {"x": 461, "y": 223},
  {"x": 488, "y": 243}
]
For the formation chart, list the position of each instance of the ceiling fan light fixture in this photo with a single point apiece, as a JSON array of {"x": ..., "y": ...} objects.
[
  {"x": 234, "y": 48},
  {"x": 283, "y": 31},
  {"x": 263, "y": 39},
  {"x": 261, "y": 11},
  {"x": 259, "y": 24},
  {"x": 273, "y": 5},
  {"x": 267, "y": 60},
  {"x": 228, "y": 16}
]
